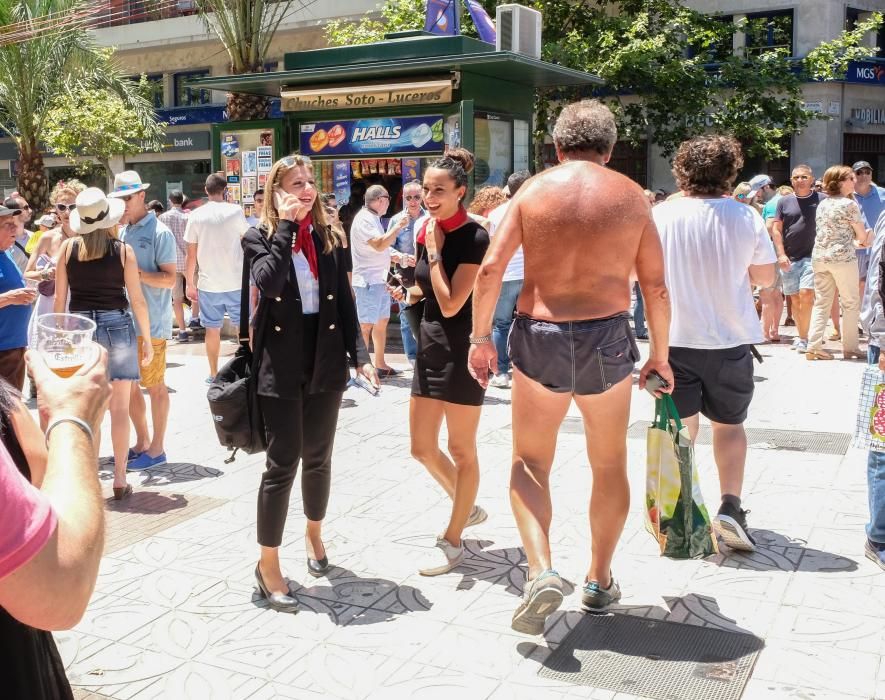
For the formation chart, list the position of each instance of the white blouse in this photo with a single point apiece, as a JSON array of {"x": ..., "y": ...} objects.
[{"x": 308, "y": 285}]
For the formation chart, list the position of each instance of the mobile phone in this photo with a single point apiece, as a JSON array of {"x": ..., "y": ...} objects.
[
  {"x": 395, "y": 280},
  {"x": 362, "y": 383},
  {"x": 655, "y": 382}
]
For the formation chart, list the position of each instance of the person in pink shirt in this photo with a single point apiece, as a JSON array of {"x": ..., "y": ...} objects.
[{"x": 52, "y": 537}]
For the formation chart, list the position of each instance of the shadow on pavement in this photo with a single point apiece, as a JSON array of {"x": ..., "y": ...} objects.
[
  {"x": 349, "y": 599},
  {"x": 505, "y": 567},
  {"x": 775, "y": 552},
  {"x": 148, "y": 502},
  {"x": 169, "y": 473}
]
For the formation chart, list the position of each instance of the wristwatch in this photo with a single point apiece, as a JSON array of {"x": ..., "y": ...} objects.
[{"x": 433, "y": 258}]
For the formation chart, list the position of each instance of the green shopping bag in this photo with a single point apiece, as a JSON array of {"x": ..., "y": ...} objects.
[{"x": 674, "y": 507}]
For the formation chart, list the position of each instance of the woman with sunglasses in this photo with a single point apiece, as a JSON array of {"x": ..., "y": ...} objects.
[
  {"x": 306, "y": 337},
  {"x": 41, "y": 264}
]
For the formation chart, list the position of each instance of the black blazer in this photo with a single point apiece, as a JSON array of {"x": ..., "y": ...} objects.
[{"x": 279, "y": 317}]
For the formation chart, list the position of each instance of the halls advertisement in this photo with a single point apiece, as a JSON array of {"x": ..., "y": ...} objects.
[{"x": 383, "y": 136}]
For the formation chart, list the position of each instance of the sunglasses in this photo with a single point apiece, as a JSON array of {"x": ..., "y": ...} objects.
[
  {"x": 800, "y": 177},
  {"x": 259, "y": 201},
  {"x": 65, "y": 207},
  {"x": 413, "y": 197},
  {"x": 383, "y": 196},
  {"x": 864, "y": 172}
]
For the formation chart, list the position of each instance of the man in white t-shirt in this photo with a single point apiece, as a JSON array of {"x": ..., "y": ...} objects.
[
  {"x": 370, "y": 248},
  {"x": 213, "y": 236},
  {"x": 715, "y": 250},
  {"x": 511, "y": 286}
]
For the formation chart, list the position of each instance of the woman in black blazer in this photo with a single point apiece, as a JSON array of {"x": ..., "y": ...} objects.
[{"x": 306, "y": 337}]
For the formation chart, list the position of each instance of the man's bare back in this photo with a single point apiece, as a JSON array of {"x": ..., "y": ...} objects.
[{"x": 581, "y": 229}]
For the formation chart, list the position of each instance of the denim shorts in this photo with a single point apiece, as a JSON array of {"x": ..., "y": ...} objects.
[
  {"x": 372, "y": 303},
  {"x": 799, "y": 276},
  {"x": 575, "y": 357},
  {"x": 115, "y": 332},
  {"x": 213, "y": 306}
]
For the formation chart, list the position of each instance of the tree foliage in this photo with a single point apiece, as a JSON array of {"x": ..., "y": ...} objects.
[
  {"x": 669, "y": 70},
  {"x": 99, "y": 124},
  {"x": 37, "y": 73}
]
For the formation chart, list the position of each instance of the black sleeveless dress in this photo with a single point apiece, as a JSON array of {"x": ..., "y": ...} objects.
[
  {"x": 443, "y": 343},
  {"x": 30, "y": 665}
]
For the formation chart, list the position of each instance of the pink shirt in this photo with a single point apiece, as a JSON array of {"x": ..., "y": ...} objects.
[{"x": 28, "y": 518}]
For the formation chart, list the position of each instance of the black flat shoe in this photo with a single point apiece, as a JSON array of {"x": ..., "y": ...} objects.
[
  {"x": 318, "y": 567},
  {"x": 278, "y": 601}
]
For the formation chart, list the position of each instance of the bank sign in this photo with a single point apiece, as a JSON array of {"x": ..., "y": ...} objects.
[
  {"x": 865, "y": 73},
  {"x": 367, "y": 137}
]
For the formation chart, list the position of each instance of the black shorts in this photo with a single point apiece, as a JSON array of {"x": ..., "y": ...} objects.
[
  {"x": 574, "y": 357},
  {"x": 717, "y": 383}
]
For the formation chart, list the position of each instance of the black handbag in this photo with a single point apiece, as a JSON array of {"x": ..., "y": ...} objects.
[{"x": 233, "y": 398}]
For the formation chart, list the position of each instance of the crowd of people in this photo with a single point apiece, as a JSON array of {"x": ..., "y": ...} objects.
[{"x": 527, "y": 287}]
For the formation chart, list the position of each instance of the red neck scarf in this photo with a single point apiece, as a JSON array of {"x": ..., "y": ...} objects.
[
  {"x": 304, "y": 243},
  {"x": 455, "y": 221}
]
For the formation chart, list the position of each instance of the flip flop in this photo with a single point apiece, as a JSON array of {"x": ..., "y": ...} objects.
[{"x": 388, "y": 372}]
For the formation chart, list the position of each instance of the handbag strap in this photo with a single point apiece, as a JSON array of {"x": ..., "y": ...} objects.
[
  {"x": 244, "y": 305},
  {"x": 665, "y": 411}
]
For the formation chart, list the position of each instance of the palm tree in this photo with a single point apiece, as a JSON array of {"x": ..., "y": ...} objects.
[
  {"x": 246, "y": 28},
  {"x": 46, "y": 50}
]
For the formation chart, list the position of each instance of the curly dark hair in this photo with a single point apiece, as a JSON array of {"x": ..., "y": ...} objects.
[
  {"x": 707, "y": 164},
  {"x": 587, "y": 125}
]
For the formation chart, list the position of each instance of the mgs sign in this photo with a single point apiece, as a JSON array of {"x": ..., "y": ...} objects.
[{"x": 866, "y": 73}]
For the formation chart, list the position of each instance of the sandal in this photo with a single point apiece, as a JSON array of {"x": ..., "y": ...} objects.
[
  {"x": 818, "y": 355},
  {"x": 835, "y": 335},
  {"x": 121, "y": 492}
]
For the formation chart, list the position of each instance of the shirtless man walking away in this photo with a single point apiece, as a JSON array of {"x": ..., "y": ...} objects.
[{"x": 583, "y": 229}]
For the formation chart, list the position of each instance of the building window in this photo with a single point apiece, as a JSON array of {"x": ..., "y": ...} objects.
[
  {"x": 186, "y": 96},
  {"x": 769, "y": 31},
  {"x": 156, "y": 93},
  {"x": 716, "y": 52},
  {"x": 853, "y": 17}
]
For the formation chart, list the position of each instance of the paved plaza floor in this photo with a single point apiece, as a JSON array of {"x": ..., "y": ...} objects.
[{"x": 176, "y": 614}]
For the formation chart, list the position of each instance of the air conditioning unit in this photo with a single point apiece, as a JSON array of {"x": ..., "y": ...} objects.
[{"x": 518, "y": 30}]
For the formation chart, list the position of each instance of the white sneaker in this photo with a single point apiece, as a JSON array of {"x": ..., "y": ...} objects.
[
  {"x": 477, "y": 516},
  {"x": 796, "y": 342},
  {"x": 444, "y": 558},
  {"x": 802, "y": 347},
  {"x": 500, "y": 381}
]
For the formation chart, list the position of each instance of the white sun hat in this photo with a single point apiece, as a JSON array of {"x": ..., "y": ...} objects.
[
  {"x": 126, "y": 183},
  {"x": 95, "y": 210}
]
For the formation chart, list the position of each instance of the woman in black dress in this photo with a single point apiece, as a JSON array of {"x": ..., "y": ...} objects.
[
  {"x": 306, "y": 337},
  {"x": 450, "y": 248}
]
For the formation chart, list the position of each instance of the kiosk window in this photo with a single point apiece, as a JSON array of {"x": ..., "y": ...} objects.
[
  {"x": 494, "y": 152},
  {"x": 521, "y": 141}
]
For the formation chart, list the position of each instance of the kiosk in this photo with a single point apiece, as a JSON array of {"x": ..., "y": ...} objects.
[{"x": 378, "y": 113}]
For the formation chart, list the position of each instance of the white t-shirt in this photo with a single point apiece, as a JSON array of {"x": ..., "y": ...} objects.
[
  {"x": 708, "y": 246},
  {"x": 216, "y": 228},
  {"x": 516, "y": 267},
  {"x": 370, "y": 266}
]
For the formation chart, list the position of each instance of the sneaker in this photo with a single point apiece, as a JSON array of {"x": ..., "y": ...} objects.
[
  {"x": 195, "y": 324},
  {"x": 541, "y": 597},
  {"x": 500, "y": 381},
  {"x": 183, "y": 337},
  {"x": 875, "y": 552},
  {"x": 145, "y": 461},
  {"x": 802, "y": 346},
  {"x": 595, "y": 598},
  {"x": 210, "y": 379},
  {"x": 731, "y": 523},
  {"x": 477, "y": 516},
  {"x": 132, "y": 454},
  {"x": 445, "y": 558}
]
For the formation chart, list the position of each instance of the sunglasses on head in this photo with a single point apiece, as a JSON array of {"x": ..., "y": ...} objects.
[{"x": 65, "y": 207}]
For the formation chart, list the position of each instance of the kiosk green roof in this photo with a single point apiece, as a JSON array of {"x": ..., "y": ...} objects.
[{"x": 402, "y": 55}]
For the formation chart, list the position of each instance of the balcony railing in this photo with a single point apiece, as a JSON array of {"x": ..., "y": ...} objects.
[{"x": 121, "y": 12}]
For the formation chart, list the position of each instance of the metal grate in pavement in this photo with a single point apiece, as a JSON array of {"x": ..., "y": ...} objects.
[
  {"x": 764, "y": 438},
  {"x": 654, "y": 658},
  {"x": 147, "y": 513}
]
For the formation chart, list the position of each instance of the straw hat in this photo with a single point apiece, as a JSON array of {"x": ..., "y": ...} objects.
[
  {"x": 126, "y": 183},
  {"x": 95, "y": 210}
]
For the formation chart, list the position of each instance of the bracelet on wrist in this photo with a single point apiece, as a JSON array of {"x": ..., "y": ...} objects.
[
  {"x": 480, "y": 339},
  {"x": 79, "y": 422}
]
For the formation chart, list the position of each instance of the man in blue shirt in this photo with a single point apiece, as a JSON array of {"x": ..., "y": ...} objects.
[
  {"x": 405, "y": 245},
  {"x": 871, "y": 199},
  {"x": 15, "y": 305},
  {"x": 154, "y": 246}
]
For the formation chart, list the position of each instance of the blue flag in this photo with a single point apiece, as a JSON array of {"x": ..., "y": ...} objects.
[
  {"x": 484, "y": 24},
  {"x": 442, "y": 17}
]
